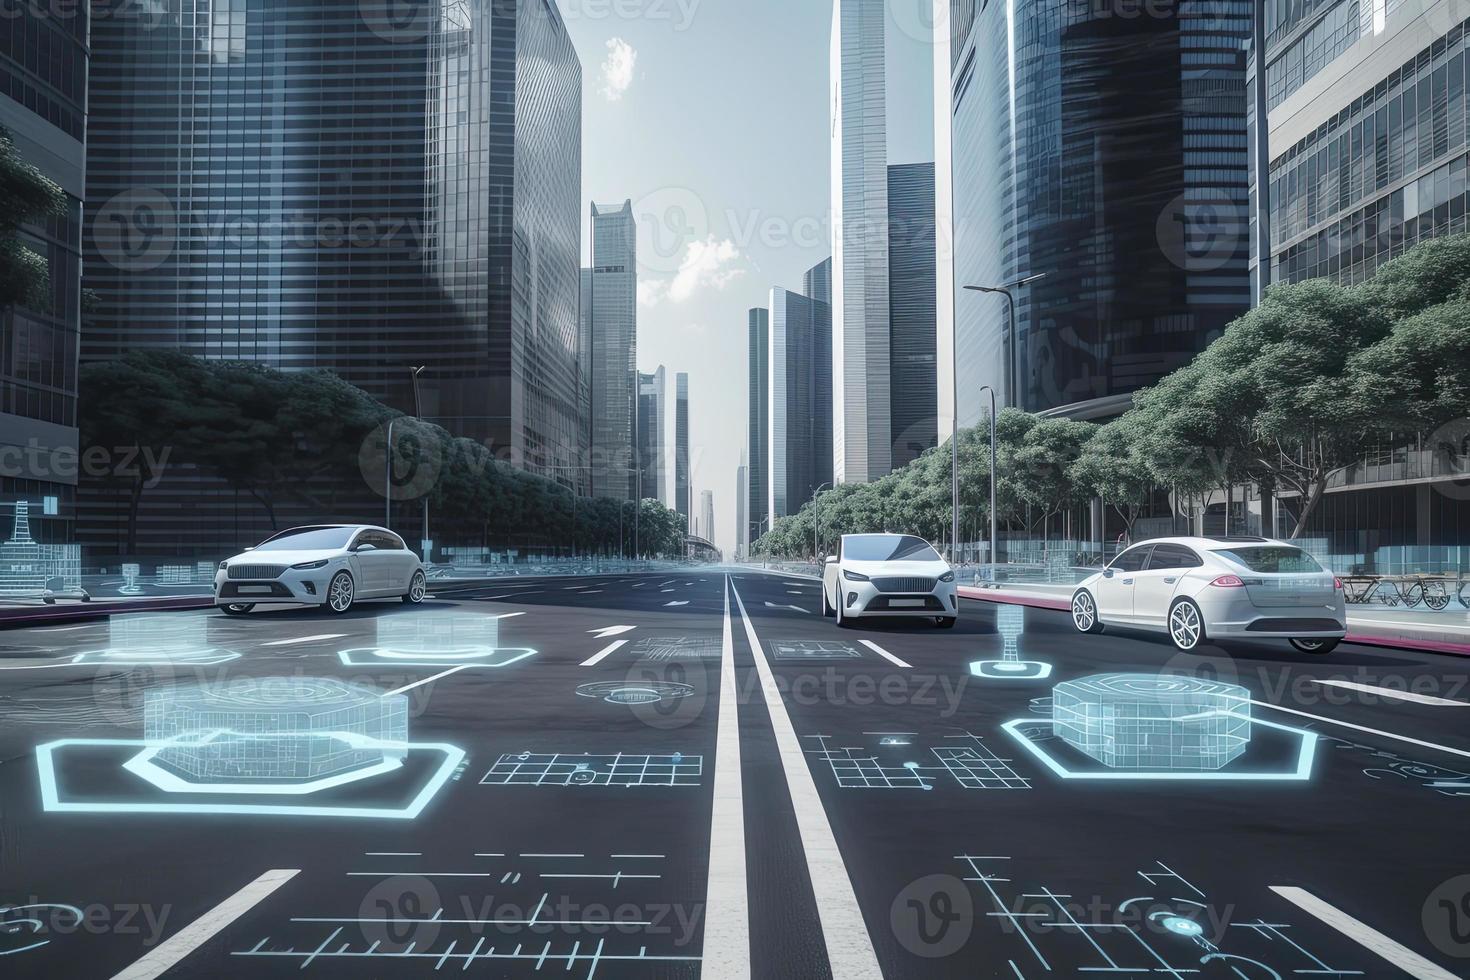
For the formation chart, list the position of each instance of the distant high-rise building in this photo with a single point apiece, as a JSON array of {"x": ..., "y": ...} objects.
[
  {"x": 817, "y": 281},
  {"x": 911, "y": 298},
  {"x": 707, "y": 514},
  {"x": 801, "y": 400},
  {"x": 610, "y": 310},
  {"x": 652, "y": 416},
  {"x": 861, "y": 417},
  {"x": 681, "y": 446},
  {"x": 742, "y": 503},
  {"x": 43, "y": 109},
  {"x": 311, "y": 184},
  {"x": 758, "y": 424},
  {"x": 1135, "y": 217}
]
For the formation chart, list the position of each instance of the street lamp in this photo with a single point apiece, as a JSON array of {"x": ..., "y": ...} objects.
[
  {"x": 418, "y": 413},
  {"x": 817, "y": 517},
  {"x": 1010, "y": 397}
]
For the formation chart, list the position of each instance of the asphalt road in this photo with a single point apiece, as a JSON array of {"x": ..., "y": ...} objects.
[{"x": 695, "y": 774}]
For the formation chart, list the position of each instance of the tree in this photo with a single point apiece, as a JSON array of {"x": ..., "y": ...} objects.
[
  {"x": 1110, "y": 467},
  {"x": 26, "y": 197},
  {"x": 1044, "y": 462}
]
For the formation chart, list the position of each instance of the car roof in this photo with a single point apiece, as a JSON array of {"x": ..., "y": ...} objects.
[{"x": 1214, "y": 543}]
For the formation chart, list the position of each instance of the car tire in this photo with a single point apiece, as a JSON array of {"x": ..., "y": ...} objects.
[
  {"x": 827, "y": 611},
  {"x": 843, "y": 622},
  {"x": 341, "y": 593},
  {"x": 418, "y": 587},
  {"x": 1316, "y": 647},
  {"x": 237, "y": 608},
  {"x": 945, "y": 622},
  {"x": 1186, "y": 625},
  {"x": 1084, "y": 612}
]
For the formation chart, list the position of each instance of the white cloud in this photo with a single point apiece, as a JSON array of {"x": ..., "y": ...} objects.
[
  {"x": 617, "y": 69},
  {"x": 651, "y": 292},
  {"x": 707, "y": 265}
]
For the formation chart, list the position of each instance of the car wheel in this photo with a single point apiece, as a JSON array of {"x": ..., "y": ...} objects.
[
  {"x": 827, "y": 611},
  {"x": 1084, "y": 613},
  {"x": 945, "y": 622},
  {"x": 1186, "y": 625},
  {"x": 1316, "y": 646},
  {"x": 237, "y": 608},
  {"x": 843, "y": 622},
  {"x": 417, "y": 589},
  {"x": 340, "y": 593}
]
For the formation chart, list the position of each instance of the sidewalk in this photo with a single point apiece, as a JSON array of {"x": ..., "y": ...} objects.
[{"x": 1436, "y": 632}]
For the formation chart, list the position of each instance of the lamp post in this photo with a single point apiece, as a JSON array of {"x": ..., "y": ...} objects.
[
  {"x": 418, "y": 413},
  {"x": 817, "y": 518},
  {"x": 1010, "y": 398}
]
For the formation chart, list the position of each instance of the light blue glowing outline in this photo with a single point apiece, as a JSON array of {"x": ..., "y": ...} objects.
[
  {"x": 383, "y": 657},
  {"x": 114, "y": 658},
  {"x": 35, "y": 922},
  {"x": 51, "y": 802},
  {"x": 143, "y": 766},
  {"x": 988, "y": 670},
  {"x": 1303, "y": 772}
]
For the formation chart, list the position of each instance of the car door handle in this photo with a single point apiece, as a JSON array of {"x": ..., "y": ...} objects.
[
  {"x": 1127, "y": 581},
  {"x": 1170, "y": 580}
]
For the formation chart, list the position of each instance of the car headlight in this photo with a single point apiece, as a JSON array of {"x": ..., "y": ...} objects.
[
  {"x": 310, "y": 564},
  {"x": 947, "y": 576},
  {"x": 224, "y": 565},
  {"x": 852, "y": 576}
]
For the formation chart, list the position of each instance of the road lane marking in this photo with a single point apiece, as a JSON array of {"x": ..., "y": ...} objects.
[
  {"x": 65, "y": 629},
  {"x": 1398, "y": 695},
  {"x": 159, "y": 960},
  {"x": 1365, "y": 935},
  {"x": 427, "y": 680},
  {"x": 1360, "y": 728},
  {"x": 773, "y": 605},
  {"x": 608, "y": 631},
  {"x": 727, "y": 897},
  {"x": 849, "y": 947},
  {"x": 304, "y": 639},
  {"x": 883, "y": 653},
  {"x": 604, "y": 653},
  {"x": 677, "y": 602}
]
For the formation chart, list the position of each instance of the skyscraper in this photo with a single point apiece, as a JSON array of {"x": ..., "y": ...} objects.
[
  {"x": 707, "y": 514},
  {"x": 911, "y": 298},
  {"x": 758, "y": 425},
  {"x": 1107, "y": 153},
  {"x": 652, "y": 416},
  {"x": 42, "y": 107},
  {"x": 861, "y": 416},
  {"x": 816, "y": 282},
  {"x": 611, "y": 314},
  {"x": 310, "y": 184},
  {"x": 742, "y": 502},
  {"x": 681, "y": 446},
  {"x": 801, "y": 400}
]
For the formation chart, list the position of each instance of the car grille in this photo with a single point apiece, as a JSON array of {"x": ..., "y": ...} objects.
[
  {"x": 255, "y": 571},
  {"x": 904, "y": 584}
]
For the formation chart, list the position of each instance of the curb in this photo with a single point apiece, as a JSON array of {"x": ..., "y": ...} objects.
[{"x": 29, "y": 616}]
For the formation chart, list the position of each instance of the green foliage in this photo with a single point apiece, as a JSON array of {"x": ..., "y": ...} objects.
[{"x": 26, "y": 196}]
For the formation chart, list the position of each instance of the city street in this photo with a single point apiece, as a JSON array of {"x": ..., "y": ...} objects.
[{"x": 694, "y": 773}]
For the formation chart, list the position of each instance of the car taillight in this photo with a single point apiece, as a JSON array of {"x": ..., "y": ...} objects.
[
  {"x": 1228, "y": 582},
  {"x": 1337, "y": 583}
]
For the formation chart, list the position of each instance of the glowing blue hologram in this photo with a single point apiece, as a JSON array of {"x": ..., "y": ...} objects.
[
  {"x": 158, "y": 636},
  {"x": 968, "y": 761},
  {"x": 1179, "y": 925},
  {"x": 1010, "y": 623},
  {"x": 273, "y": 730},
  {"x": 30, "y": 568},
  {"x": 558, "y": 769},
  {"x": 1153, "y": 721},
  {"x": 12, "y": 942},
  {"x": 437, "y": 638},
  {"x": 130, "y": 586},
  {"x": 659, "y": 648},
  {"x": 635, "y": 692},
  {"x": 157, "y": 766},
  {"x": 813, "y": 650}
]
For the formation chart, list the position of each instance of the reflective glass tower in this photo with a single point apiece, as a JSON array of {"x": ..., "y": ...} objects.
[
  {"x": 610, "y": 308},
  {"x": 652, "y": 416},
  {"x": 758, "y": 428},
  {"x": 801, "y": 399},
  {"x": 345, "y": 185},
  {"x": 681, "y": 446},
  {"x": 911, "y": 299}
]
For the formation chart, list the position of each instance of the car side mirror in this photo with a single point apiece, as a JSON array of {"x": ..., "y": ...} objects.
[
  {"x": 362, "y": 548},
  {"x": 831, "y": 559},
  {"x": 1107, "y": 573}
]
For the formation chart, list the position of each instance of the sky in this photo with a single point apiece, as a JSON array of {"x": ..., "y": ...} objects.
[{"x": 712, "y": 117}]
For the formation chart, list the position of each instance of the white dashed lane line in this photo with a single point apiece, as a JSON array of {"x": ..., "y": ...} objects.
[{"x": 1385, "y": 692}]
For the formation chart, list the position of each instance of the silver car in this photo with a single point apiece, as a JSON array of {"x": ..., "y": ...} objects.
[
  {"x": 330, "y": 566},
  {"x": 888, "y": 575},
  {"x": 1195, "y": 589}
]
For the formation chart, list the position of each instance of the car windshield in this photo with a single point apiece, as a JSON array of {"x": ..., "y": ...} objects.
[
  {"x": 309, "y": 539},
  {"x": 1273, "y": 558},
  {"x": 888, "y": 547}
]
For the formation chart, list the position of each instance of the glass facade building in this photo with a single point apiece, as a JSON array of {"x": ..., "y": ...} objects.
[
  {"x": 322, "y": 184},
  {"x": 681, "y": 446},
  {"x": 911, "y": 304},
  {"x": 758, "y": 426},
  {"x": 1109, "y": 153},
  {"x": 610, "y": 312},
  {"x": 652, "y": 418},
  {"x": 800, "y": 415},
  {"x": 43, "y": 98}
]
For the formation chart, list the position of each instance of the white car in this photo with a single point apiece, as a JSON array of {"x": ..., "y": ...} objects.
[
  {"x": 888, "y": 575},
  {"x": 328, "y": 566},
  {"x": 1195, "y": 589}
]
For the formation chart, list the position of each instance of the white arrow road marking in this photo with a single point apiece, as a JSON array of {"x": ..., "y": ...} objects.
[
  {"x": 304, "y": 639},
  {"x": 1365, "y": 935},
  {"x": 1399, "y": 695},
  {"x": 796, "y": 608},
  {"x": 883, "y": 653},
  {"x": 161, "y": 959},
  {"x": 427, "y": 680},
  {"x": 678, "y": 602},
  {"x": 607, "y": 631},
  {"x": 604, "y": 653}
]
